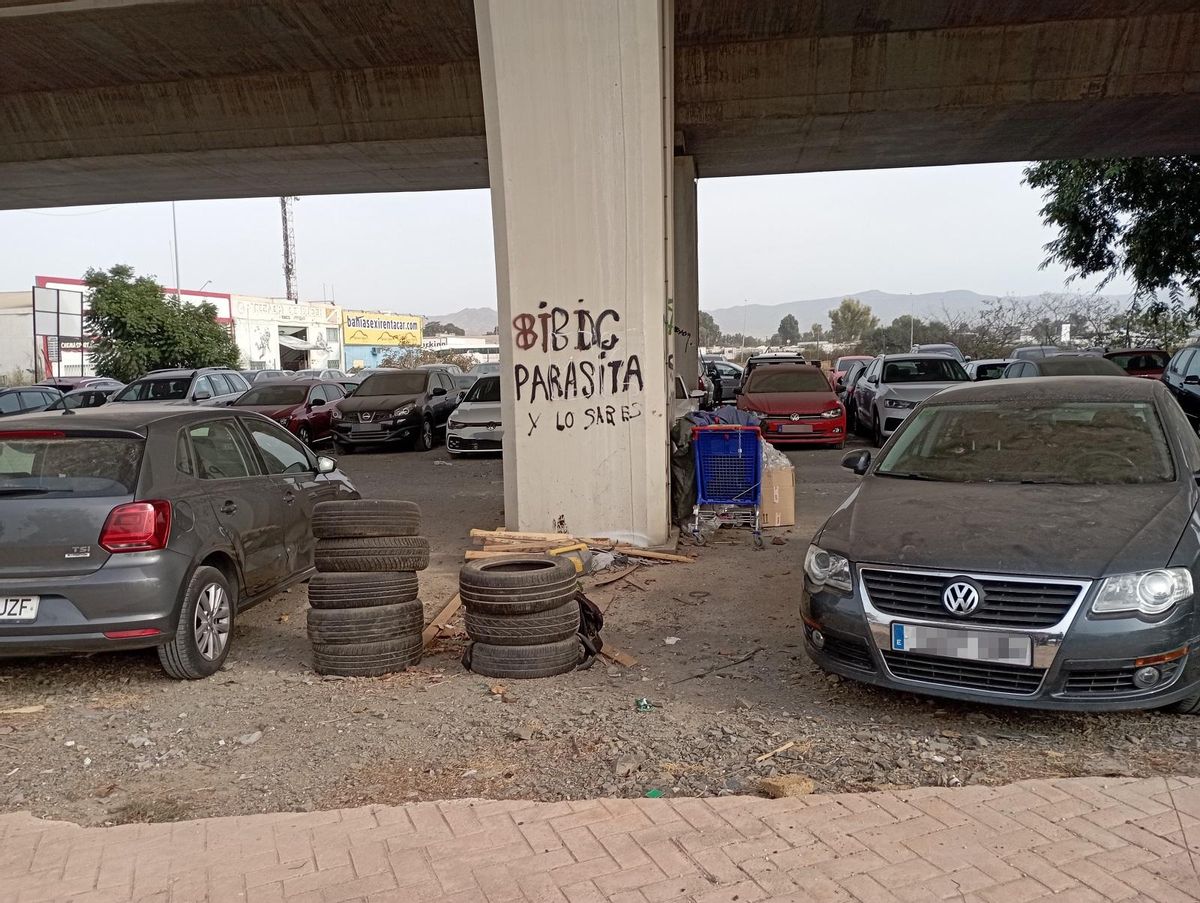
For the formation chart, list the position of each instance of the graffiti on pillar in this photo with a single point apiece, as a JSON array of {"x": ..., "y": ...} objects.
[
  {"x": 602, "y": 375},
  {"x": 674, "y": 330}
]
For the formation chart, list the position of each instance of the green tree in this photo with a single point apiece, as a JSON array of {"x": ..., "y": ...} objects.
[
  {"x": 136, "y": 328},
  {"x": 789, "y": 330},
  {"x": 851, "y": 320},
  {"x": 710, "y": 332},
  {"x": 1138, "y": 217}
]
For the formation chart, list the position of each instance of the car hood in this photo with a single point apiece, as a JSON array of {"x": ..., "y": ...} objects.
[
  {"x": 917, "y": 392},
  {"x": 787, "y": 402},
  {"x": 478, "y": 412},
  {"x": 356, "y": 403},
  {"x": 1061, "y": 531},
  {"x": 274, "y": 411}
]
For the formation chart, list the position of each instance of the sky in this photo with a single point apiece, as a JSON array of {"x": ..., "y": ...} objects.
[{"x": 766, "y": 240}]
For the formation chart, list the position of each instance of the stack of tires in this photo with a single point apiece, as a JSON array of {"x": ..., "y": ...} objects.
[
  {"x": 521, "y": 615},
  {"x": 365, "y": 618}
]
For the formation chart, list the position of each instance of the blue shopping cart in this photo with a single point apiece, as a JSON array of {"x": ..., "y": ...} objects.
[{"x": 728, "y": 478}]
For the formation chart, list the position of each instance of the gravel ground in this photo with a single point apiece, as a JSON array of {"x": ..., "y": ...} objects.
[{"x": 115, "y": 741}]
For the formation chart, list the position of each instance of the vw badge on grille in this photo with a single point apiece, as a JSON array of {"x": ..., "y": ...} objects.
[
  {"x": 366, "y": 416},
  {"x": 795, "y": 418},
  {"x": 961, "y": 598}
]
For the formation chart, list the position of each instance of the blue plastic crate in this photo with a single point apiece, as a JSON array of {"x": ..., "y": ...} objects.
[{"x": 728, "y": 465}]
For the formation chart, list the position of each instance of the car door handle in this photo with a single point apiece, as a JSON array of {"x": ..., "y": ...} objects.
[
  {"x": 230, "y": 507},
  {"x": 289, "y": 498}
]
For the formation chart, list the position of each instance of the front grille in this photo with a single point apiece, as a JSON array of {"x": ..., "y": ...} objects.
[
  {"x": 849, "y": 651},
  {"x": 1113, "y": 681},
  {"x": 1006, "y": 603},
  {"x": 953, "y": 672},
  {"x": 366, "y": 416},
  {"x": 473, "y": 444}
]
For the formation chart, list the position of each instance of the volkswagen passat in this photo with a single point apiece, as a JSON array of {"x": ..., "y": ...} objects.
[{"x": 1028, "y": 542}]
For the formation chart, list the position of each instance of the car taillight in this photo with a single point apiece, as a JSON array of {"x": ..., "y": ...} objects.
[{"x": 137, "y": 527}]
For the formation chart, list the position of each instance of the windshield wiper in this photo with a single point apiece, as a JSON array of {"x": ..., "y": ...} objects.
[
  {"x": 28, "y": 490},
  {"x": 900, "y": 475}
]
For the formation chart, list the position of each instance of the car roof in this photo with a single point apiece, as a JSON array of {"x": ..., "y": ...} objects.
[
  {"x": 994, "y": 360},
  {"x": 1050, "y": 389},
  {"x": 1139, "y": 350},
  {"x": 288, "y": 381},
  {"x": 134, "y": 417},
  {"x": 915, "y": 356}
]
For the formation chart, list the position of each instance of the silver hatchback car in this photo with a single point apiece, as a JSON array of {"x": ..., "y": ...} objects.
[{"x": 131, "y": 526}]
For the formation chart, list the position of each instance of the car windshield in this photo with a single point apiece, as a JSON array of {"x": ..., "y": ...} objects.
[
  {"x": 56, "y": 467},
  {"x": 924, "y": 370},
  {"x": 800, "y": 379},
  {"x": 173, "y": 389},
  {"x": 1140, "y": 360},
  {"x": 1079, "y": 366},
  {"x": 486, "y": 388},
  {"x": 273, "y": 395},
  {"x": 1102, "y": 443},
  {"x": 89, "y": 399},
  {"x": 844, "y": 363},
  {"x": 990, "y": 371},
  {"x": 398, "y": 383},
  {"x": 492, "y": 369}
]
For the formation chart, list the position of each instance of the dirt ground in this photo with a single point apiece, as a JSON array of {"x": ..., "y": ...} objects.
[{"x": 112, "y": 740}]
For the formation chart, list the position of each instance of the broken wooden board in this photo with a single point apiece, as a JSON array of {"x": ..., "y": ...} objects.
[
  {"x": 440, "y": 620},
  {"x": 624, "y": 659}
]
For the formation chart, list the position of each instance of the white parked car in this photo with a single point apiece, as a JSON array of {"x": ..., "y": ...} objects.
[{"x": 475, "y": 426}]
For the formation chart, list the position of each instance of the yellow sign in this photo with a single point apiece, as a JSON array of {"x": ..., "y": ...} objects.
[{"x": 372, "y": 327}]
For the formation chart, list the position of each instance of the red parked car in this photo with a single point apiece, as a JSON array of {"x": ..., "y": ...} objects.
[
  {"x": 1148, "y": 363},
  {"x": 841, "y": 366},
  {"x": 795, "y": 404},
  {"x": 303, "y": 406}
]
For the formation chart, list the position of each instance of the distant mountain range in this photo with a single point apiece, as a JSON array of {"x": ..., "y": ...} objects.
[{"x": 762, "y": 320}]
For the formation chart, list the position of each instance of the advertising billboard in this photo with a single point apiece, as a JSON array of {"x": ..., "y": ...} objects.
[{"x": 372, "y": 327}]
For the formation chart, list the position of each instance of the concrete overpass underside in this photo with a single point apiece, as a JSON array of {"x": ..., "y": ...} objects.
[{"x": 105, "y": 101}]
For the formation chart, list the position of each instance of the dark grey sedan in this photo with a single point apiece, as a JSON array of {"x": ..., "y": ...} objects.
[
  {"x": 1028, "y": 542},
  {"x": 129, "y": 526}
]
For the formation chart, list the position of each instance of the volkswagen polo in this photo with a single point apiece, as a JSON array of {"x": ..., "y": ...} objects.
[{"x": 1028, "y": 542}]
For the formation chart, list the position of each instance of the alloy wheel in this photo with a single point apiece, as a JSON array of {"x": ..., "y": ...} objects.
[
  {"x": 427, "y": 435},
  {"x": 211, "y": 623}
]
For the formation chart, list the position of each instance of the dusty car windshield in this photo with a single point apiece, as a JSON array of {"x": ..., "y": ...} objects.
[
  {"x": 808, "y": 379},
  {"x": 399, "y": 383},
  {"x": 486, "y": 388},
  {"x": 155, "y": 390},
  {"x": 1101, "y": 443},
  {"x": 924, "y": 370},
  {"x": 274, "y": 395},
  {"x": 57, "y": 467}
]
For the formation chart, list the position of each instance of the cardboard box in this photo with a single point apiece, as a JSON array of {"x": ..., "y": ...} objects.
[{"x": 779, "y": 497}]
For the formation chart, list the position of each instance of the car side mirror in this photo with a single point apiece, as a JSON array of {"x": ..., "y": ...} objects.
[
  {"x": 873, "y": 380},
  {"x": 317, "y": 403},
  {"x": 438, "y": 390},
  {"x": 202, "y": 395},
  {"x": 841, "y": 382},
  {"x": 858, "y": 460},
  {"x": 326, "y": 464},
  {"x": 1191, "y": 380}
]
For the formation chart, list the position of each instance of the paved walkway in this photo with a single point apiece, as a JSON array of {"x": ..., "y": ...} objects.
[{"x": 1087, "y": 839}]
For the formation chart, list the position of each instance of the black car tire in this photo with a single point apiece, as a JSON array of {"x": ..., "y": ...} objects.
[
  {"x": 1189, "y": 705},
  {"x": 524, "y": 662},
  {"x": 367, "y": 659},
  {"x": 427, "y": 436},
  {"x": 877, "y": 432},
  {"x": 340, "y": 626},
  {"x": 365, "y": 517},
  {"x": 361, "y": 590},
  {"x": 517, "y": 585},
  {"x": 181, "y": 657},
  {"x": 548, "y": 626},
  {"x": 373, "y": 553}
]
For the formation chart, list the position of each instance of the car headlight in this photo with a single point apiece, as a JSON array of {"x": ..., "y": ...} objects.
[
  {"x": 831, "y": 413},
  {"x": 827, "y": 568},
  {"x": 1146, "y": 592},
  {"x": 899, "y": 403},
  {"x": 335, "y": 414},
  {"x": 454, "y": 425},
  {"x": 402, "y": 412}
]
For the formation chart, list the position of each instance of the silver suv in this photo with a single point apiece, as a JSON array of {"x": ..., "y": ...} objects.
[
  {"x": 206, "y": 385},
  {"x": 894, "y": 384}
]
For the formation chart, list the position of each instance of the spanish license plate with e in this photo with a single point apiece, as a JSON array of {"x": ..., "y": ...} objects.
[
  {"x": 973, "y": 645},
  {"x": 19, "y": 608}
]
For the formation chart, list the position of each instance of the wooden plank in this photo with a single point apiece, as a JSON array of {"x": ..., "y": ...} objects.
[
  {"x": 624, "y": 659},
  {"x": 634, "y": 552},
  {"x": 502, "y": 535},
  {"x": 440, "y": 620},
  {"x": 621, "y": 575},
  {"x": 476, "y": 554}
]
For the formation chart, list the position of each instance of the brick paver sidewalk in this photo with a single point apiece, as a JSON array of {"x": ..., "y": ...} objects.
[{"x": 1086, "y": 839}]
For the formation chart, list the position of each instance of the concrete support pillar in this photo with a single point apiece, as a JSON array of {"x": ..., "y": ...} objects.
[
  {"x": 577, "y": 104},
  {"x": 684, "y": 305}
]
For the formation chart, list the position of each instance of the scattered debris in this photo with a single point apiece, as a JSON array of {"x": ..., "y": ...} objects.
[
  {"x": 670, "y": 641},
  {"x": 776, "y": 751},
  {"x": 642, "y": 704},
  {"x": 624, "y": 659},
  {"x": 24, "y": 710},
  {"x": 441, "y": 619},
  {"x": 250, "y": 739}
]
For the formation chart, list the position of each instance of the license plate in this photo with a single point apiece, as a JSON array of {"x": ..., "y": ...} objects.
[
  {"x": 975, "y": 645},
  {"x": 19, "y": 608},
  {"x": 795, "y": 428}
]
